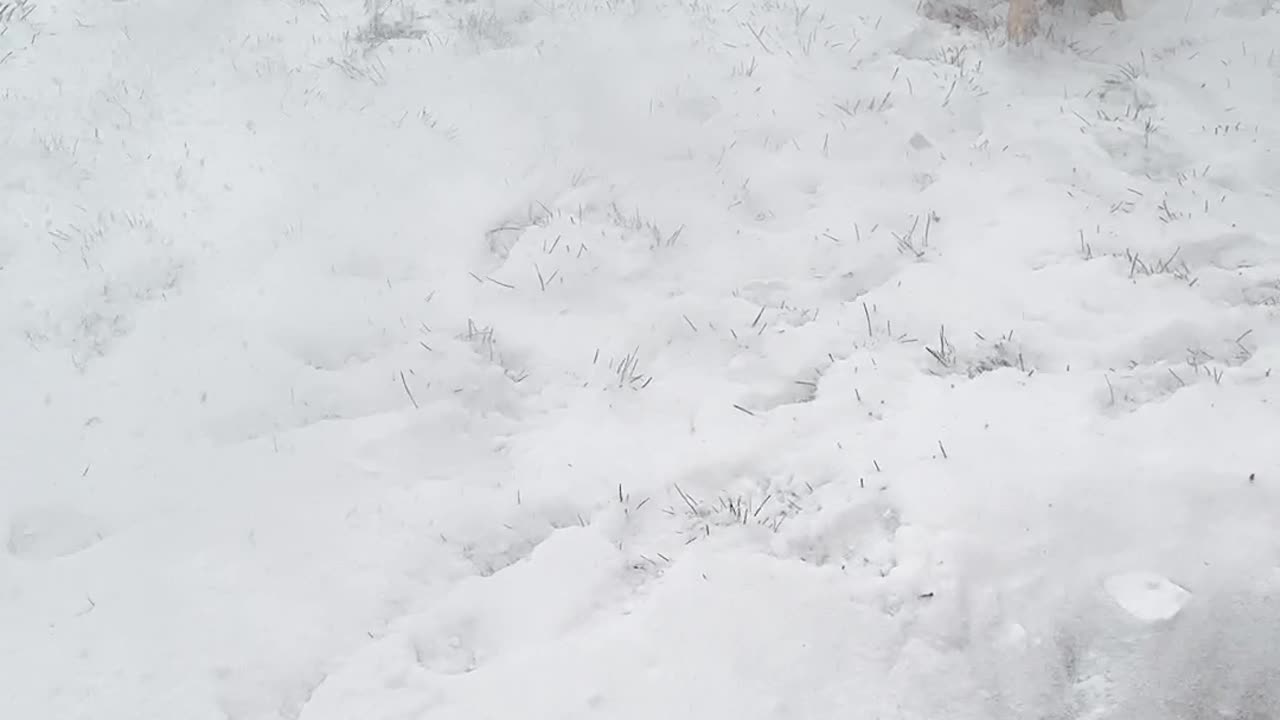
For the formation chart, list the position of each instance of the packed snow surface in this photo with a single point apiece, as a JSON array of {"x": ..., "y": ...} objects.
[{"x": 635, "y": 359}]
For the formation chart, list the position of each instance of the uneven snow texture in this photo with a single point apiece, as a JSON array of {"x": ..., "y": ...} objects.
[{"x": 687, "y": 359}]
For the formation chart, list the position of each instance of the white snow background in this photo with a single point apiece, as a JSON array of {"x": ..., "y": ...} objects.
[{"x": 621, "y": 359}]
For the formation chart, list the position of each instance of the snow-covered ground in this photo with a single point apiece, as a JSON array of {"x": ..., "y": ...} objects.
[{"x": 687, "y": 359}]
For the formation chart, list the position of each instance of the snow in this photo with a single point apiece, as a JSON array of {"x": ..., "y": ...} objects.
[
  {"x": 1147, "y": 596},
  {"x": 635, "y": 359}
]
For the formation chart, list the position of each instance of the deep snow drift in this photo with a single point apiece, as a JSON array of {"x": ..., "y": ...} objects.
[{"x": 568, "y": 359}]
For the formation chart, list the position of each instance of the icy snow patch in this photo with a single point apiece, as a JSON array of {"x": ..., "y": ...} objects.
[{"x": 1147, "y": 596}]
